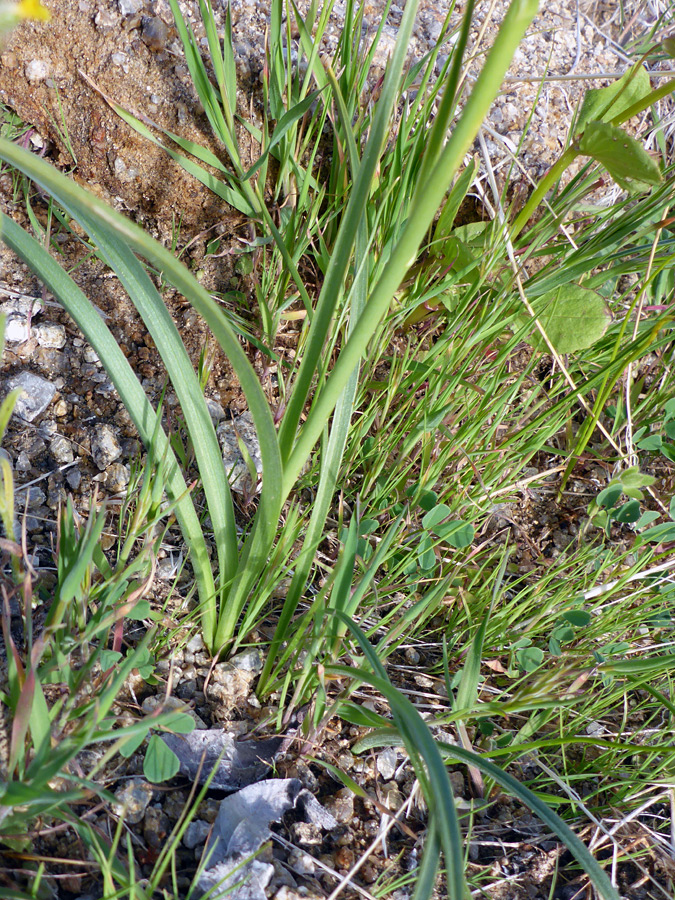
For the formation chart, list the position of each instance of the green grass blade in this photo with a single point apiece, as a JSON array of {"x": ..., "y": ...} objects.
[
  {"x": 339, "y": 262},
  {"x": 428, "y": 198},
  {"x": 220, "y": 117},
  {"x": 77, "y": 201},
  {"x": 529, "y": 799},
  {"x": 285, "y": 123},
  {"x": 230, "y": 195},
  {"x": 425, "y": 879},
  {"x": 164, "y": 333},
  {"x": 331, "y": 458},
  {"x": 122, "y": 376},
  {"x": 419, "y": 742},
  {"x": 467, "y": 693}
]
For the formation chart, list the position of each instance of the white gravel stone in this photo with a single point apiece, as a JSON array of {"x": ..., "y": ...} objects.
[
  {"x": 36, "y": 394},
  {"x": 236, "y": 467},
  {"x": 196, "y": 644},
  {"x": 105, "y": 447},
  {"x": 386, "y": 763},
  {"x": 36, "y": 70},
  {"x": 20, "y": 312},
  {"x": 132, "y": 800},
  {"x": 129, "y": 7},
  {"x": 50, "y": 335},
  {"x": 61, "y": 449}
]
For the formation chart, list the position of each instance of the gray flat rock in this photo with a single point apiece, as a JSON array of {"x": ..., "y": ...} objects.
[{"x": 36, "y": 394}]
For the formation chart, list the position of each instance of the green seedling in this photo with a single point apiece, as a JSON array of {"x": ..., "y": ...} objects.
[
  {"x": 610, "y": 506},
  {"x": 659, "y": 440}
]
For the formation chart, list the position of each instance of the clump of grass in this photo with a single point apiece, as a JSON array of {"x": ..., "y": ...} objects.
[{"x": 414, "y": 401}]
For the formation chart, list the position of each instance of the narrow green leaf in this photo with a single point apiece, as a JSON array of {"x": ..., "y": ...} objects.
[
  {"x": 659, "y": 534},
  {"x": 120, "y": 373},
  {"x": 530, "y": 800},
  {"x": 467, "y": 693},
  {"x": 419, "y": 743},
  {"x": 284, "y": 124}
]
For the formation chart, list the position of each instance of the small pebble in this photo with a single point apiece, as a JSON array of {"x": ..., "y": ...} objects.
[
  {"x": 344, "y": 858},
  {"x": 36, "y": 70},
  {"x": 61, "y": 449},
  {"x": 117, "y": 477},
  {"x": 73, "y": 478},
  {"x": 154, "y": 32},
  {"x": 341, "y": 805},
  {"x": 90, "y": 355},
  {"x": 105, "y": 447},
  {"x": 50, "y": 335},
  {"x": 155, "y": 827},
  {"x": 196, "y": 833},
  {"x": 133, "y": 799},
  {"x": 105, "y": 20},
  {"x": 36, "y": 394},
  {"x": 386, "y": 763}
]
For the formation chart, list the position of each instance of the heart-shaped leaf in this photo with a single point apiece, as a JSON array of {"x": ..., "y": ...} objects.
[{"x": 160, "y": 763}]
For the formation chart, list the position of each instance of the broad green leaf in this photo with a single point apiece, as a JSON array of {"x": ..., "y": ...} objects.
[
  {"x": 530, "y": 658},
  {"x": 572, "y": 317},
  {"x": 179, "y": 722},
  {"x": 425, "y": 554},
  {"x": 435, "y": 515},
  {"x": 608, "y": 497},
  {"x": 652, "y": 442},
  {"x": 109, "y": 658},
  {"x": 458, "y": 534},
  {"x": 577, "y": 617},
  {"x": 659, "y": 534},
  {"x": 160, "y": 763},
  {"x": 629, "y": 512},
  {"x": 647, "y": 517},
  {"x": 141, "y": 610},
  {"x": 634, "y": 478},
  {"x": 603, "y": 104},
  {"x": 625, "y": 158},
  {"x": 131, "y": 745}
]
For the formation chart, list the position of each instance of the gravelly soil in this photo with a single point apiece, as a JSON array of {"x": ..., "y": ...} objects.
[{"x": 46, "y": 76}]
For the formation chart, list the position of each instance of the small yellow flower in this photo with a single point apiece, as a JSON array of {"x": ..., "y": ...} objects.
[
  {"x": 13, "y": 13},
  {"x": 33, "y": 9}
]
